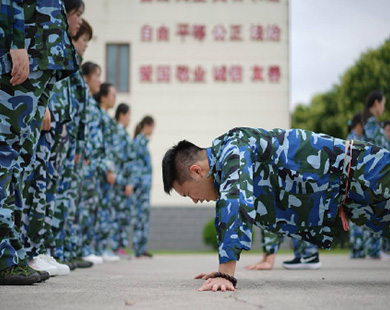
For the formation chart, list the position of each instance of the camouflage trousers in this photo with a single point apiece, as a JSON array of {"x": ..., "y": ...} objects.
[
  {"x": 122, "y": 222},
  {"x": 39, "y": 194},
  {"x": 36, "y": 216},
  {"x": 272, "y": 242},
  {"x": 141, "y": 218},
  {"x": 64, "y": 206},
  {"x": 22, "y": 108},
  {"x": 362, "y": 242},
  {"x": 72, "y": 242},
  {"x": 105, "y": 217},
  {"x": 88, "y": 209}
]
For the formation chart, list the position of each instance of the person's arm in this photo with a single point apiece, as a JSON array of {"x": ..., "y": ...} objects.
[
  {"x": 235, "y": 210},
  {"x": 375, "y": 134}
]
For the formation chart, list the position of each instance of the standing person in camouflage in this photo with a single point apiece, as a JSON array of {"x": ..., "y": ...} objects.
[
  {"x": 357, "y": 235},
  {"x": 38, "y": 212},
  {"x": 375, "y": 134},
  {"x": 290, "y": 182},
  {"x": 68, "y": 111},
  {"x": 77, "y": 130},
  {"x": 106, "y": 211},
  {"x": 124, "y": 200},
  {"x": 94, "y": 154},
  {"x": 142, "y": 189},
  {"x": 28, "y": 70}
]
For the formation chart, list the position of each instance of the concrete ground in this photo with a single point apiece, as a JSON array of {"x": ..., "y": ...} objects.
[{"x": 165, "y": 282}]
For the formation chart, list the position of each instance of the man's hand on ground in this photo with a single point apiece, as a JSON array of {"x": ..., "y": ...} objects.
[
  {"x": 20, "y": 66},
  {"x": 216, "y": 284}
]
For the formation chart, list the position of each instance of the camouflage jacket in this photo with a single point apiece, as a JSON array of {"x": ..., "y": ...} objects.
[
  {"x": 144, "y": 162},
  {"x": 41, "y": 27},
  {"x": 284, "y": 181},
  {"x": 374, "y": 133},
  {"x": 95, "y": 149},
  {"x": 128, "y": 161},
  {"x": 79, "y": 101}
]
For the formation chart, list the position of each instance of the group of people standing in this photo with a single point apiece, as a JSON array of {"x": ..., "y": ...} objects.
[{"x": 72, "y": 179}]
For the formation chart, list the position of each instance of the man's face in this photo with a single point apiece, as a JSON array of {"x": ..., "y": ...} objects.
[{"x": 197, "y": 190}]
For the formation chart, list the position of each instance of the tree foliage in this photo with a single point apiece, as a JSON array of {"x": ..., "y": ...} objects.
[{"x": 329, "y": 112}]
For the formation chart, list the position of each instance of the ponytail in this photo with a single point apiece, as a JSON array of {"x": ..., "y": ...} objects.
[{"x": 147, "y": 120}]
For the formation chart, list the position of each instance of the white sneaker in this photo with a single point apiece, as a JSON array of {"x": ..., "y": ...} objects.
[
  {"x": 384, "y": 256},
  {"x": 62, "y": 268},
  {"x": 109, "y": 256},
  {"x": 40, "y": 264},
  {"x": 94, "y": 259}
]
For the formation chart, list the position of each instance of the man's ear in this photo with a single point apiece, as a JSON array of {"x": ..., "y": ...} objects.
[{"x": 196, "y": 172}]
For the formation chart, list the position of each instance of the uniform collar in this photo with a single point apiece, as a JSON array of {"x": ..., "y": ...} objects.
[{"x": 213, "y": 167}]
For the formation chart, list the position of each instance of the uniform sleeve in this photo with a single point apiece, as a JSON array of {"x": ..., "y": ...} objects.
[
  {"x": 235, "y": 207},
  {"x": 17, "y": 25}
]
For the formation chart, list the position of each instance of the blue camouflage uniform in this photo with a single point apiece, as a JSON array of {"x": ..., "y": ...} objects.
[
  {"x": 106, "y": 210},
  {"x": 291, "y": 182},
  {"x": 41, "y": 28},
  {"x": 142, "y": 195},
  {"x": 91, "y": 183},
  {"x": 76, "y": 130},
  {"x": 123, "y": 204},
  {"x": 375, "y": 134}
]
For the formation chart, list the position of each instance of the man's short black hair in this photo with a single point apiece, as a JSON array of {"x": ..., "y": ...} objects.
[{"x": 177, "y": 161}]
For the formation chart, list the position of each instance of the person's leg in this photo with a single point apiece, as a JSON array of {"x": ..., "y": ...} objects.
[
  {"x": 20, "y": 121},
  {"x": 304, "y": 249},
  {"x": 373, "y": 245},
  {"x": 306, "y": 256},
  {"x": 34, "y": 194},
  {"x": 68, "y": 197},
  {"x": 89, "y": 202},
  {"x": 126, "y": 221},
  {"x": 141, "y": 222},
  {"x": 356, "y": 241},
  {"x": 116, "y": 223},
  {"x": 104, "y": 221},
  {"x": 61, "y": 202}
]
